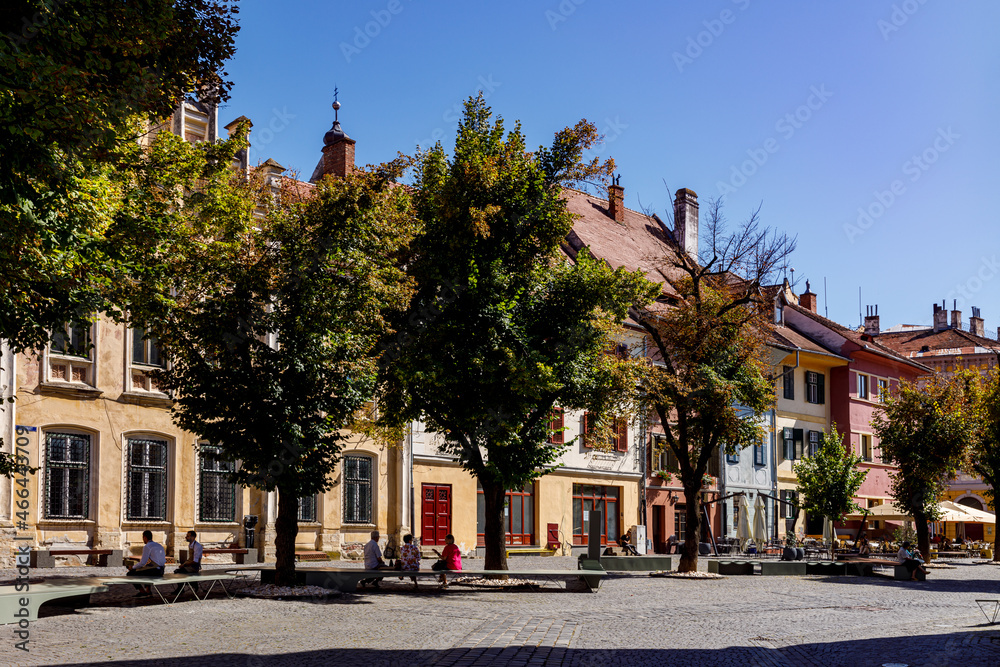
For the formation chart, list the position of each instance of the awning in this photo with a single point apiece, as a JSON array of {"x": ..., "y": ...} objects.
[{"x": 965, "y": 514}]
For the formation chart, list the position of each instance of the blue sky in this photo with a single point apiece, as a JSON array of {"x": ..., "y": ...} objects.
[{"x": 868, "y": 129}]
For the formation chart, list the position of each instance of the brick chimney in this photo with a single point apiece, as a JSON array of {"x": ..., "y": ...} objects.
[
  {"x": 976, "y": 324},
  {"x": 686, "y": 222},
  {"x": 940, "y": 317},
  {"x": 807, "y": 299},
  {"x": 338, "y": 151},
  {"x": 956, "y": 315},
  {"x": 871, "y": 321},
  {"x": 616, "y": 200}
]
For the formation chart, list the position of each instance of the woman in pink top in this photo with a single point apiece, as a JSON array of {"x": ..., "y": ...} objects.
[{"x": 451, "y": 559}]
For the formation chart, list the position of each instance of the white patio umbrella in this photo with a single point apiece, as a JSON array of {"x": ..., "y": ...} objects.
[
  {"x": 759, "y": 522},
  {"x": 743, "y": 534},
  {"x": 971, "y": 514},
  {"x": 828, "y": 532}
]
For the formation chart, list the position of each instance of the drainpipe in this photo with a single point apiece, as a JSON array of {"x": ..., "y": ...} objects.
[
  {"x": 774, "y": 467},
  {"x": 413, "y": 528}
]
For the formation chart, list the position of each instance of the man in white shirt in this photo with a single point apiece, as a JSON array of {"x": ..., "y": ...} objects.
[
  {"x": 193, "y": 563},
  {"x": 150, "y": 564},
  {"x": 373, "y": 559}
]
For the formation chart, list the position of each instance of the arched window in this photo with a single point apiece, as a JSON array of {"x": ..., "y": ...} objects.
[{"x": 147, "y": 479}]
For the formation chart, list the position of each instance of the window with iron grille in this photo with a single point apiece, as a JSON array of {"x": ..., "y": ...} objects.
[
  {"x": 357, "y": 489},
  {"x": 147, "y": 480},
  {"x": 307, "y": 509},
  {"x": 67, "y": 475},
  {"x": 216, "y": 494}
]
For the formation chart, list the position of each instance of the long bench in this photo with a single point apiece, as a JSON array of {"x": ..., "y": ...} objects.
[
  {"x": 526, "y": 551},
  {"x": 346, "y": 580},
  {"x": 732, "y": 567},
  {"x": 636, "y": 563},
  {"x": 76, "y": 591},
  {"x": 240, "y": 556},
  {"x": 47, "y": 557}
]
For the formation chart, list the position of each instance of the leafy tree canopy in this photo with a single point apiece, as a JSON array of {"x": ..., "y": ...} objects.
[{"x": 829, "y": 480}]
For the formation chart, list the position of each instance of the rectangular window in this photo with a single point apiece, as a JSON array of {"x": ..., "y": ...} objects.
[
  {"x": 883, "y": 389},
  {"x": 866, "y": 447},
  {"x": 307, "y": 509},
  {"x": 862, "y": 385},
  {"x": 588, "y": 498},
  {"x": 67, "y": 476},
  {"x": 145, "y": 349},
  {"x": 788, "y": 444},
  {"x": 73, "y": 340},
  {"x": 667, "y": 460},
  {"x": 814, "y": 441},
  {"x": 733, "y": 458},
  {"x": 357, "y": 489},
  {"x": 619, "y": 433},
  {"x": 815, "y": 387},
  {"x": 788, "y": 378},
  {"x": 147, "y": 480},
  {"x": 680, "y": 520},
  {"x": 713, "y": 466},
  {"x": 216, "y": 493},
  {"x": 556, "y": 434},
  {"x": 519, "y": 516},
  {"x": 71, "y": 354},
  {"x": 758, "y": 452}
]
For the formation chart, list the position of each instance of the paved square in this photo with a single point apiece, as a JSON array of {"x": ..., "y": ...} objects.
[{"x": 633, "y": 620}]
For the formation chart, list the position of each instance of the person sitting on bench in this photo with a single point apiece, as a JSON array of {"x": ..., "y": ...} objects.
[
  {"x": 409, "y": 557},
  {"x": 373, "y": 560},
  {"x": 911, "y": 561},
  {"x": 150, "y": 563},
  {"x": 193, "y": 563},
  {"x": 451, "y": 559},
  {"x": 625, "y": 543}
]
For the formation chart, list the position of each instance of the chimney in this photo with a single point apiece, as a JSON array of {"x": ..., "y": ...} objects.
[
  {"x": 807, "y": 299},
  {"x": 871, "y": 321},
  {"x": 956, "y": 315},
  {"x": 976, "y": 325},
  {"x": 616, "y": 200},
  {"x": 686, "y": 222},
  {"x": 338, "y": 150},
  {"x": 272, "y": 174},
  {"x": 940, "y": 317}
]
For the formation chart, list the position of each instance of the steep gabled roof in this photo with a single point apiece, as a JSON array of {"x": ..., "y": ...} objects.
[
  {"x": 640, "y": 243},
  {"x": 947, "y": 342}
]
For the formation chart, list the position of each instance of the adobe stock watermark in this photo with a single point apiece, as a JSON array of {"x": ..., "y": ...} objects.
[
  {"x": 363, "y": 36},
  {"x": 453, "y": 114},
  {"x": 915, "y": 168},
  {"x": 564, "y": 10},
  {"x": 988, "y": 269},
  {"x": 279, "y": 121},
  {"x": 613, "y": 129},
  {"x": 901, "y": 13},
  {"x": 714, "y": 28},
  {"x": 786, "y": 126}
]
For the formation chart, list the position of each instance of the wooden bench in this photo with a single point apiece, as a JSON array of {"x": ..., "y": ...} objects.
[
  {"x": 346, "y": 579},
  {"x": 17, "y": 605},
  {"x": 240, "y": 556},
  {"x": 311, "y": 555},
  {"x": 525, "y": 551},
  {"x": 104, "y": 557}
]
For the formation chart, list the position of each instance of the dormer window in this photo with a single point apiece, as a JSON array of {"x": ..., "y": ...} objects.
[{"x": 779, "y": 313}]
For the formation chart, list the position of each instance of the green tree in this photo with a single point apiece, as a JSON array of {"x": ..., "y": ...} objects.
[
  {"x": 984, "y": 452},
  {"x": 503, "y": 329},
  {"x": 924, "y": 429},
  {"x": 829, "y": 479},
  {"x": 271, "y": 326},
  {"x": 711, "y": 379},
  {"x": 78, "y": 81}
]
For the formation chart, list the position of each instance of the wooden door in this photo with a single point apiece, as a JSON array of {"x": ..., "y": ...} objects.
[{"x": 436, "y": 513}]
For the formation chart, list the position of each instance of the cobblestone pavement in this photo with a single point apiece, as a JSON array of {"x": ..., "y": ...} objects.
[{"x": 632, "y": 620}]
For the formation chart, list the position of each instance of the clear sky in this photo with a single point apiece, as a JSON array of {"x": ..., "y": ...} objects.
[{"x": 868, "y": 128}]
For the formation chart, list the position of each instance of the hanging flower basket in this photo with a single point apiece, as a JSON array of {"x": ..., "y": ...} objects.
[
  {"x": 707, "y": 481},
  {"x": 664, "y": 475}
]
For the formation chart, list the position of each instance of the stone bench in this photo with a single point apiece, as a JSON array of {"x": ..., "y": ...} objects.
[
  {"x": 900, "y": 573},
  {"x": 783, "y": 568},
  {"x": 734, "y": 567},
  {"x": 527, "y": 551},
  {"x": 636, "y": 563},
  {"x": 104, "y": 557},
  {"x": 346, "y": 580},
  {"x": 240, "y": 556},
  {"x": 826, "y": 567}
]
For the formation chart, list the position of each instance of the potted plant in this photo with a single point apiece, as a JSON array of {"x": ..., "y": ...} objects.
[
  {"x": 707, "y": 481},
  {"x": 664, "y": 475}
]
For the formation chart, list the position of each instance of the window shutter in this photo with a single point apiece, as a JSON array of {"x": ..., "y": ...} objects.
[
  {"x": 621, "y": 435},
  {"x": 783, "y": 512},
  {"x": 821, "y": 388},
  {"x": 587, "y": 426},
  {"x": 788, "y": 377},
  {"x": 557, "y": 437}
]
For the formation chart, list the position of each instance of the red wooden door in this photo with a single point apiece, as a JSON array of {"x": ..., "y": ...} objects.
[{"x": 436, "y": 513}]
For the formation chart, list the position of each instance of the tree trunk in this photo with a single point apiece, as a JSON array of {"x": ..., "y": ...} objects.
[
  {"x": 286, "y": 527},
  {"x": 495, "y": 495},
  {"x": 689, "y": 554},
  {"x": 923, "y": 536}
]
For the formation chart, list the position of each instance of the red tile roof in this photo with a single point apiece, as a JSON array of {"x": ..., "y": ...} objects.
[{"x": 942, "y": 343}]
